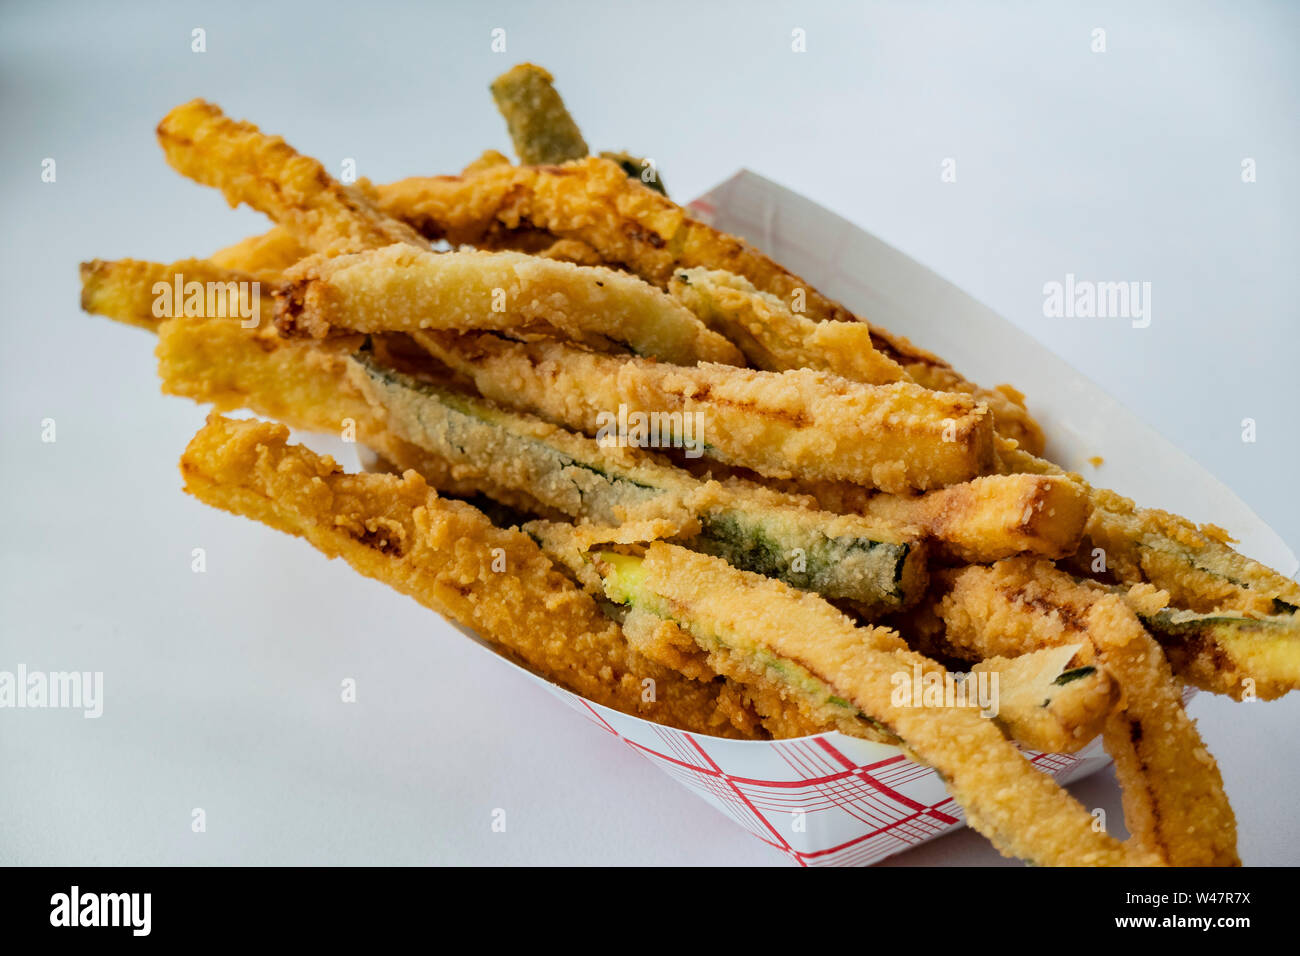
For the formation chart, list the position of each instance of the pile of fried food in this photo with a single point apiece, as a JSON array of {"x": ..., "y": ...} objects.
[{"x": 850, "y": 509}]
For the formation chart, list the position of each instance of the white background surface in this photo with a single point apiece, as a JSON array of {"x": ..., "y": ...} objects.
[{"x": 222, "y": 689}]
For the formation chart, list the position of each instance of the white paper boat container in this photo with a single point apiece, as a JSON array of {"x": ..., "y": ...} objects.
[{"x": 829, "y": 799}]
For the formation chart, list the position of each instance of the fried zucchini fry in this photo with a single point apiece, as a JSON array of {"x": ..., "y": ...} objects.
[
  {"x": 1056, "y": 700},
  {"x": 758, "y": 630},
  {"x": 774, "y": 338},
  {"x": 543, "y": 132},
  {"x": 631, "y": 226},
  {"x": 879, "y": 565},
  {"x": 402, "y": 289},
  {"x": 441, "y": 552},
  {"x": 144, "y": 294},
  {"x": 269, "y": 175},
  {"x": 893, "y": 437},
  {"x": 1148, "y": 546},
  {"x": 996, "y": 516},
  {"x": 1173, "y": 794},
  {"x": 1194, "y": 564},
  {"x": 1232, "y": 654}
]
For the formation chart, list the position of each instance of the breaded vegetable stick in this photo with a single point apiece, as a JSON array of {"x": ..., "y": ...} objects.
[
  {"x": 268, "y": 174},
  {"x": 762, "y": 631},
  {"x": 978, "y": 521},
  {"x": 440, "y": 552},
  {"x": 893, "y": 437},
  {"x": 305, "y": 386},
  {"x": 403, "y": 289},
  {"x": 785, "y": 707},
  {"x": 1228, "y": 653},
  {"x": 1055, "y": 700},
  {"x": 774, "y": 338},
  {"x": 1173, "y": 793},
  {"x": 880, "y": 565},
  {"x": 143, "y": 294},
  {"x": 1194, "y": 564},
  {"x": 265, "y": 256},
  {"x": 462, "y": 443},
  {"x": 592, "y": 200},
  {"x": 541, "y": 128},
  {"x": 996, "y": 516}
]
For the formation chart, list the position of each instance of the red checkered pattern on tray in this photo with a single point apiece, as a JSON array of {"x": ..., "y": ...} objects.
[{"x": 815, "y": 803}]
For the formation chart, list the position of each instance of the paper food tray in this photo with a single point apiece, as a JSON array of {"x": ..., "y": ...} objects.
[{"x": 830, "y": 799}]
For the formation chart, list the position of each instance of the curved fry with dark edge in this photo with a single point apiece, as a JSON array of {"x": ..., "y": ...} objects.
[
  {"x": 440, "y": 552},
  {"x": 269, "y": 175}
]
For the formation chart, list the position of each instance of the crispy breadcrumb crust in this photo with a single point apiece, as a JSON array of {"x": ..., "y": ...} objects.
[
  {"x": 266, "y": 173},
  {"x": 811, "y": 424},
  {"x": 402, "y": 289}
]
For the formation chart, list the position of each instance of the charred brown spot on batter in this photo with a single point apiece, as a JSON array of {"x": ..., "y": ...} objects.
[
  {"x": 792, "y": 418},
  {"x": 1034, "y": 503},
  {"x": 1071, "y": 618},
  {"x": 379, "y": 539},
  {"x": 1135, "y": 731},
  {"x": 638, "y": 233},
  {"x": 1200, "y": 645}
]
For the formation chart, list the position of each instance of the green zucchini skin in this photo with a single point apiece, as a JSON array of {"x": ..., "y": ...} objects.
[
  {"x": 475, "y": 435},
  {"x": 833, "y": 566},
  {"x": 520, "y": 459},
  {"x": 625, "y": 584},
  {"x": 1238, "y": 656},
  {"x": 1178, "y": 623}
]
